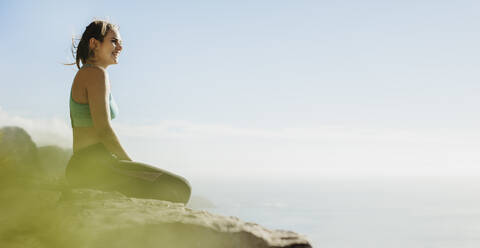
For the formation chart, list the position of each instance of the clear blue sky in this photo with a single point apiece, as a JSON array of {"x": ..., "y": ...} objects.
[{"x": 264, "y": 67}]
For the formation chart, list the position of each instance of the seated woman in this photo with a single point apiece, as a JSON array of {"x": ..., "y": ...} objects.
[{"x": 99, "y": 161}]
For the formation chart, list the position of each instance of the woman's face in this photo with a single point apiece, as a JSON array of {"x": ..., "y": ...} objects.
[{"x": 107, "y": 52}]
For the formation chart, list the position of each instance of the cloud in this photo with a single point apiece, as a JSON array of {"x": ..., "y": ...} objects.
[
  {"x": 190, "y": 131},
  {"x": 302, "y": 152},
  {"x": 53, "y": 131},
  {"x": 212, "y": 149}
]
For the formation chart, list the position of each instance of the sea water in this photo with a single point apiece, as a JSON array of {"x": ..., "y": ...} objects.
[{"x": 363, "y": 212}]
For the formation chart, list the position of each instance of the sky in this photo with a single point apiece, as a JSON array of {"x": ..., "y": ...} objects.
[{"x": 262, "y": 89}]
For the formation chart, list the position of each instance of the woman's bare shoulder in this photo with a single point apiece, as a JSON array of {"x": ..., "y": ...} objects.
[
  {"x": 92, "y": 71},
  {"x": 87, "y": 75}
]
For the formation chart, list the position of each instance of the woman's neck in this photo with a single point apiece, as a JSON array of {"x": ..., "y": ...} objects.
[
  {"x": 92, "y": 64},
  {"x": 95, "y": 64}
]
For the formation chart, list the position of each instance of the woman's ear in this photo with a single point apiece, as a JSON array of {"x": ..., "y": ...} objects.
[{"x": 92, "y": 43}]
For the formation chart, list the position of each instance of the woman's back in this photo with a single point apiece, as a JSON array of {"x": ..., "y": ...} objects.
[{"x": 83, "y": 135}]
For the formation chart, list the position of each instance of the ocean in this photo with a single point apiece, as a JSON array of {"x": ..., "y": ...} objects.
[{"x": 363, "y": 212}]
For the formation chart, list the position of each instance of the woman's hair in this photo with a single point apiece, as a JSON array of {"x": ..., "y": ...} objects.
[{"x": 97, "y": 29}]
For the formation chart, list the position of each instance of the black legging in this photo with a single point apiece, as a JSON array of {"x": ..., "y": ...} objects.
[{"x": 95, "y": 167}]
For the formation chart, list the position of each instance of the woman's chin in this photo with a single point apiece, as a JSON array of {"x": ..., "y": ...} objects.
[{"x": 114, "y": 60}]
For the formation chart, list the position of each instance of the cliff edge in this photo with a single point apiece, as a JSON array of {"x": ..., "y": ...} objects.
[{"x": 41, "y": 212}]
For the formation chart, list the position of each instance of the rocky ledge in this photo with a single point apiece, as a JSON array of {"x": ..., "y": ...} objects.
[
  {"x": 48, "y": 214},
  {"x": 91, "y": 218}
]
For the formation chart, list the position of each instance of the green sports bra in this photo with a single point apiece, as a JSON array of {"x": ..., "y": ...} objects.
[{"x": 80, "y": 115}]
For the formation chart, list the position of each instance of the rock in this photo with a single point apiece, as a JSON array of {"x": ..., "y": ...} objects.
[
  {"x": 21, "y": 158},
  {"x": 199, "y": 202},
  {"x": 112, "y": 219},
  {"x": 53, "y": 160},
  {"x": 40, "y": 213},
  {"x": 18, "y": 153},
  {"x": 91, "y": 218},
  {"x": 17, "y": 146}
]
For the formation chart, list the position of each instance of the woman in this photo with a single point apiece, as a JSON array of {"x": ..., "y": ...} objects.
[{"x": 99, "y": 160}]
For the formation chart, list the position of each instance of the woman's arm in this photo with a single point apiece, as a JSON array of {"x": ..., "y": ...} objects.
[
  {"x": 110, "y": 139},
  {"x": 98, "y": 91}
]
